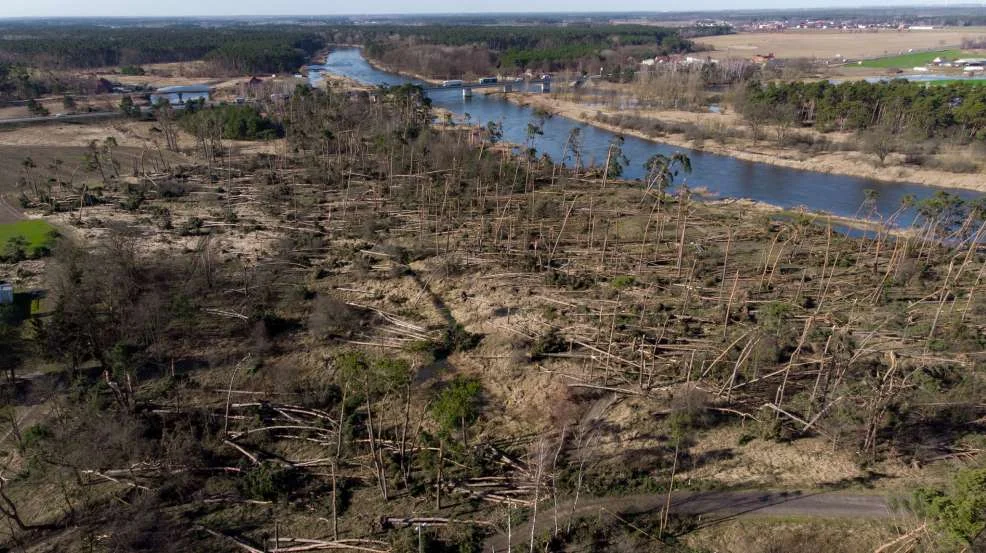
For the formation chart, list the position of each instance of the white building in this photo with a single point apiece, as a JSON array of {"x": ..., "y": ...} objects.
[
  {"x": 179, "y": 95},
  {"x": 6, "y": 293}
]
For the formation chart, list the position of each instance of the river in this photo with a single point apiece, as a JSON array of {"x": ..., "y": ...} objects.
[{"x": 723, "y": 176}]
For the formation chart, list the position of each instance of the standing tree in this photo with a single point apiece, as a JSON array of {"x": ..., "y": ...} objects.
[
  {"x": 616, "y": 160},
  {"x": 166, "y": 117},
  {"x": 573, "y": 148},
  {"x": 36, "y": 109},
  {"x": 662, "y": 170},
  {"x": 128, "y": 108}
]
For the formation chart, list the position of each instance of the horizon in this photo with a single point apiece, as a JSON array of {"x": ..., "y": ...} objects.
[{"x": 63, "y": 9}]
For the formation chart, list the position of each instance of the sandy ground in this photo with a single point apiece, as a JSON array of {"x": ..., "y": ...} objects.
[
  {"x": 67, "y": 134},
  {"x": 138, "y": 134},
  {"x": 53, "y": 105},
  {"x": 808, "y": 462},
  {"x": 13, "y": 112},
  {"x": 856, "y": 164},
  {"x": 831, "y": 43},
  {"x": 158, "y": 75}
]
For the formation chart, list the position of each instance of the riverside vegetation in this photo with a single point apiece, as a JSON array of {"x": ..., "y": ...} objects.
[
  {"x": 899, "y": 130},
  {"x": 379, "y": 334}
]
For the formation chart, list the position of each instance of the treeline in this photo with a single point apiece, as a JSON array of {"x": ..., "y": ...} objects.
[
  {"x": 268, "y": 55},
  {"x": 510, "y": 49},
  {"x": 19, "y": 82},
  {"x": 502, "y": 38},
  {"x": 231, "y": 122},
  {"x": 280, "y": 48},
  {"x": 235, "y": 49},
  {"x": 16, "y": 83},
  {"x": 899, "y": 107}
]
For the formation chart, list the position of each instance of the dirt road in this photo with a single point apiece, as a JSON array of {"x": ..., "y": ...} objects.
[
  {"x": 707, "y": 507},
  {"x": 8, "y": 213}
]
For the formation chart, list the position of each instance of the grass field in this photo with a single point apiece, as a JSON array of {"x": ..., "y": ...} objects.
[
  {"x": 37, "y": 233},
  {"x": 967, "y": 82},
  {"x": 906, "y": 61},
  {"x": 827, "y": 44}
]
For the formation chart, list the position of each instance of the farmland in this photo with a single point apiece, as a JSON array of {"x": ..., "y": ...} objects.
[
  {"x": 913, "y": 59},
  {"x": 827, "y": 44}
]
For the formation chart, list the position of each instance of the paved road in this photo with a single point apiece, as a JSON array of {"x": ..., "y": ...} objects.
[
  {"x": 71, "y": 117},
  {"x": 708, "y": 508}
]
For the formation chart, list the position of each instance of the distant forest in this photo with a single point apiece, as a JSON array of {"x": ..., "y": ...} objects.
[
  {"x": 233, "y": 49},
  {"x": 443, "y": 50},
  {"x": 238, "y": 48}
]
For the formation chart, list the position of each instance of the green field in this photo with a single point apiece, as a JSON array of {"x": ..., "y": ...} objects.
[
  {"x": 966, "y": 82},
  {"x": 37, "y": 234},
  {"x": 907, "y": 61}
]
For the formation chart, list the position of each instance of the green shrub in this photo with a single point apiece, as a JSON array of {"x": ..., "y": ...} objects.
[
  {"x": 266, "y": 482},
  {"x": 960, "y": 511},
  {"x": 622, "y": 281},
  {"x": 458, "y": 404}
]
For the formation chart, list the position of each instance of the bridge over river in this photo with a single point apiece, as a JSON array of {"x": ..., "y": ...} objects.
[
  {"x": 715, "y": 175},
  {"x": 532, "y": 85}
]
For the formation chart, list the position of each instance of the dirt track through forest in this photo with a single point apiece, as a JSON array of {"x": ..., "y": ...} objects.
[{"x": 708, "y": 508}]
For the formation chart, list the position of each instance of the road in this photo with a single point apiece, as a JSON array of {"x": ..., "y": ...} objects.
[
  {"x": 708, "y": 508},
  {"x": 63, "y": 118},
  {"x": 8, "y": 213}
]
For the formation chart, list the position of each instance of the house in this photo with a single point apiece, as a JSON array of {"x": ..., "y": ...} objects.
[
  {"x": 6, "y": 293},
  {"x": 180, "y": 95}
]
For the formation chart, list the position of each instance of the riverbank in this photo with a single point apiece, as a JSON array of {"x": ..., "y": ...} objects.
[
  {"x": 820, "y": 217},
  {"x": 850, "y": 163},
  {"x": 379, "y": 66}
]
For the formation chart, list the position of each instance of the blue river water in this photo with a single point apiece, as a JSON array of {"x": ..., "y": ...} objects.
[{"x": 722, "y": 176}]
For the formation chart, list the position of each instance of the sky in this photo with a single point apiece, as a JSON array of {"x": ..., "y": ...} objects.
[{"x": 127, "y": 8}]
